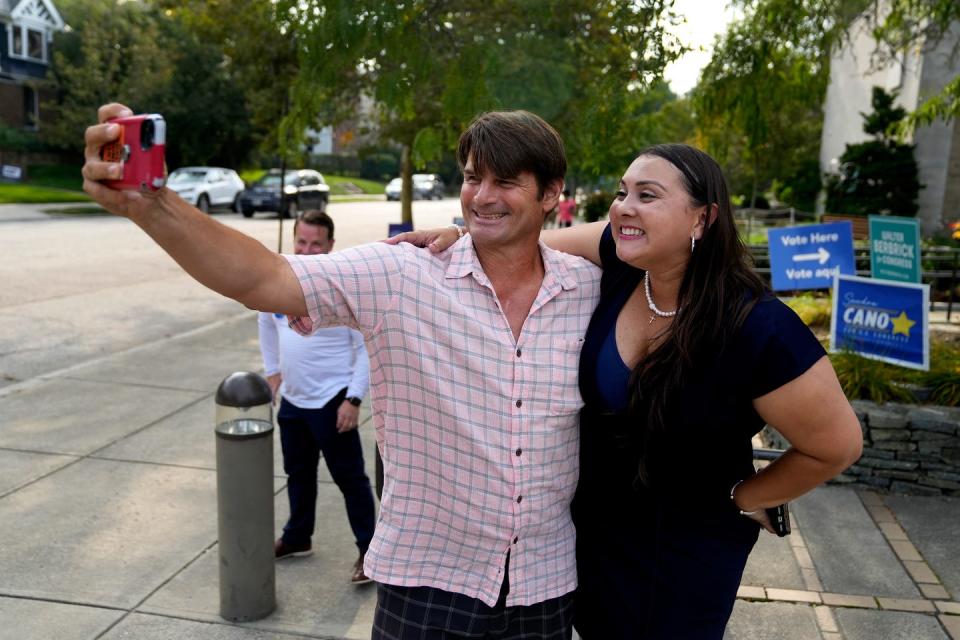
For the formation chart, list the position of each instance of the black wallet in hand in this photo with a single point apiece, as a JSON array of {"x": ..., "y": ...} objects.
[{"x": 780, "y": 519}]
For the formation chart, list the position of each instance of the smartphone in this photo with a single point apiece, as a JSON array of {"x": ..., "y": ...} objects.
[
  {"x": 140, "y": 149},
  {"x": 780, "y": 518}
]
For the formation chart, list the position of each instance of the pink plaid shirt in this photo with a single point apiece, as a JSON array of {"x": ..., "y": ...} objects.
[{"x": 478, "y": 431}]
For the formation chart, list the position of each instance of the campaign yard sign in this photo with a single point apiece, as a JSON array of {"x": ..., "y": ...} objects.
[
  {"x": 808, "y": 257},
  {"x": 895, "y": 248},
  {"x": 882, "y": 319},
  {"x": 396, "y": 228},
  {"x": 11, "y": 172}
]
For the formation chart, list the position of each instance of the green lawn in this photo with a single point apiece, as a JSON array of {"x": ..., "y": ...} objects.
[
  {"x": 367, "y": 186},
  {"x": 251, "y": 175},
  {"x": 46, "y": 183},
  {"x": 29, "y": 193},
  {"x": 63, "y": 183},
  {"x": 336, "y": 183}
]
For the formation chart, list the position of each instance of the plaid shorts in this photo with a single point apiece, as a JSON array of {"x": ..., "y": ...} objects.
[{"x": 427, "y": 613}]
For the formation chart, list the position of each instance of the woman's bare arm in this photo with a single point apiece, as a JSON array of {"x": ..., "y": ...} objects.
[
  {"x": 580, "y": 240},
  {"x": 813, "y": 414}
]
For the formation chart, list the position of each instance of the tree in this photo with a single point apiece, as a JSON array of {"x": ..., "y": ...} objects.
[
  {"x": 429, "y": 67},
  {"x": 136, "y": 54},
  {"x": 878, "y": 176},
  {"x": 204, "y": 108},
  {"x": 896, "y": 25},
  {"x": 919, "y": 23},
  {"x": 256, "y": 50},
  {"x": 758, "y": 102},
  {"x": 113, "y": 52}
]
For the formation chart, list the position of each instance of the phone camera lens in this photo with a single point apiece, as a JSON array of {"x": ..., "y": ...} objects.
[{"x": 146, "y": 134}]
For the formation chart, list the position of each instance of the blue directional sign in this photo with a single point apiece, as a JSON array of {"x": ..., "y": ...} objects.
[
  {"x": 882, "y": 320},
  {"x": 395, "y": 229},
  {"x": 809, "y": 257}
]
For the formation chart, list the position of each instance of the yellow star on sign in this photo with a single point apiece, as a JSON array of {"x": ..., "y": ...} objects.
[{"x": 902, "y": 324}]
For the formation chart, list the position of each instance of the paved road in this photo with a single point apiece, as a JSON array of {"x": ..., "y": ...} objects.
[
  {"x": 78, "y": 288},
  {"x": 107, "y": 473}
]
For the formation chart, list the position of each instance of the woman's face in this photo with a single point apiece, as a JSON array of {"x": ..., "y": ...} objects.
[{"x": 652, "y": 216}]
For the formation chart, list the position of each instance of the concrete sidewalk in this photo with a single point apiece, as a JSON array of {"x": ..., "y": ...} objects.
[{"x": 108, "y": 517}]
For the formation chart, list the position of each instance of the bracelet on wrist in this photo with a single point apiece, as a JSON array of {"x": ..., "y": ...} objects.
[{"x": 733, "y": 500}]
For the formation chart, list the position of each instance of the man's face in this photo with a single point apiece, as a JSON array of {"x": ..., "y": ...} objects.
[
  {"x": 500, "y": 212},
  {"x": 311, "y": 239}
]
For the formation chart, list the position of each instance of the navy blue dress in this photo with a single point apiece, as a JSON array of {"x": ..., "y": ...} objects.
[{"x": 665, "y": 561}]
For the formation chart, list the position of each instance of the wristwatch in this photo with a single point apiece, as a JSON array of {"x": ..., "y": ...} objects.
[{"x": 353, "y": 400}]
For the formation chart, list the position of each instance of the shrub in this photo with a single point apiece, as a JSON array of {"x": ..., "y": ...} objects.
[
  {"x": 865, "y": 379},
  {"x": 379, "y": 166},
  {"x": 815, "y": 312},
  {"x": 945, "y": 388},
  {"x": 880, "y": 175},
  {"x": 18, "y": 140},
  {"x": 596, "y": 205}
]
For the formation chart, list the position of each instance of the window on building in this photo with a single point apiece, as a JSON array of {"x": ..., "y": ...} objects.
[
  {"x": 34, "y": 44},
  {"x": 27, "y": 43},
  {"x": 16, "y": 42}
]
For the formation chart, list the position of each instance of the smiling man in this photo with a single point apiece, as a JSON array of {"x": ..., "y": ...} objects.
[{"x": 474, "y": 361}]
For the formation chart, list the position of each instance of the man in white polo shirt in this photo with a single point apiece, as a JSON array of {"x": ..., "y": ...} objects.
[{"x": 321, "y": 379}]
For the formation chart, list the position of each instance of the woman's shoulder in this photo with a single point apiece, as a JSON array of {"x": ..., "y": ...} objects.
[
  {"x": 766, "y": 308},
  {"x": 772, "y": 320},
  {"x": 769, "y": 309}
]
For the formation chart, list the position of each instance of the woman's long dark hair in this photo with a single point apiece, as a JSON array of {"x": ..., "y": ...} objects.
[{"x": 718, "y": 290}]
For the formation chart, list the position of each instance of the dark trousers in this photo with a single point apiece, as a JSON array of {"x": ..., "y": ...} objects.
[
  {"x": 428, "y": 613},
  {"x": 304, "y": 435}
]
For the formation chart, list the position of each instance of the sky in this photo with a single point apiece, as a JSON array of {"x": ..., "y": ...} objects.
[{"x": 705, "y": 19}]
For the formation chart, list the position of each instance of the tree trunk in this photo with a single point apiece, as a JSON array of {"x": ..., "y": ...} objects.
[{"x": 406, "y": 191}]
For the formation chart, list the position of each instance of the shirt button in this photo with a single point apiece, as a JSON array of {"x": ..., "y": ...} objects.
[
  {"x": 519, "y": 498},
  {"x": 519, "y": 403},
  {"x": 516, "y": 539},
  {"x": 518, "y": 353},
  {"x": 519, "y": 451}
]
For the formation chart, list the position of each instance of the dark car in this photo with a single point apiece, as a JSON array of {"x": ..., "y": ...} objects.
[
  {"x": 303, "y": 189},
  {"x": 428, "y": 186}
]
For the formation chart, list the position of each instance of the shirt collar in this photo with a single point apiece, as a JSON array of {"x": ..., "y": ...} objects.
[{"x": 464, "y": 261}]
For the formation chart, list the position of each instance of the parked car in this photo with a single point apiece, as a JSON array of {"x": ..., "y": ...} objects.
[
  {"x": 426, "y": 186},
  {"x": 303, "y": 189},
  {"x": 393, "y": 189},
  {"x": 207, "y": 187}
]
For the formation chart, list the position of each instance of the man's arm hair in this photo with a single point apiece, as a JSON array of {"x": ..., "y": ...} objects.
[{"x": 221, "y": 258}]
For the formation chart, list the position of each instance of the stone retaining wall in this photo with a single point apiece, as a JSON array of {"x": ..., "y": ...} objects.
[{"x": 911, "y": 449}]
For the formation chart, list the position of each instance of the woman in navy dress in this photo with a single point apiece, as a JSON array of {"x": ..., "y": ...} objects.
[{"x": 687, "y": 356}]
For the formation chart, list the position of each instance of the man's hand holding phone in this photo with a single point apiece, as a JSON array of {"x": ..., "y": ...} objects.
[{"x": 124, "y": 161}]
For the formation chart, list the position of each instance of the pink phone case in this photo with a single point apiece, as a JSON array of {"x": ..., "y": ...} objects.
[{"x": 140, "y": 149}]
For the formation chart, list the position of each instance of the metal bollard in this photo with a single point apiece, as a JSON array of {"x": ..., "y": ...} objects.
[{"x": 244, "y": 428}]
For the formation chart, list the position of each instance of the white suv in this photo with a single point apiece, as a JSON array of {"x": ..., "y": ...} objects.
[{"x": 207, "y": 187}]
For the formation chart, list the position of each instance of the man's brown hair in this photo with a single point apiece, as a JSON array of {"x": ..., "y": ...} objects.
[
  {"x": 507, "y": 143},
  {"x": 316, "y": 218}
]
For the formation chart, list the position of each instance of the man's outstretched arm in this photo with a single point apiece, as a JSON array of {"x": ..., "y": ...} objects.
[{"x": 223, "y": 259}]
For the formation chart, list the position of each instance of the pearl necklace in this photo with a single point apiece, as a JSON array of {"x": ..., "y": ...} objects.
[{"x": 650, "y": 303}]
